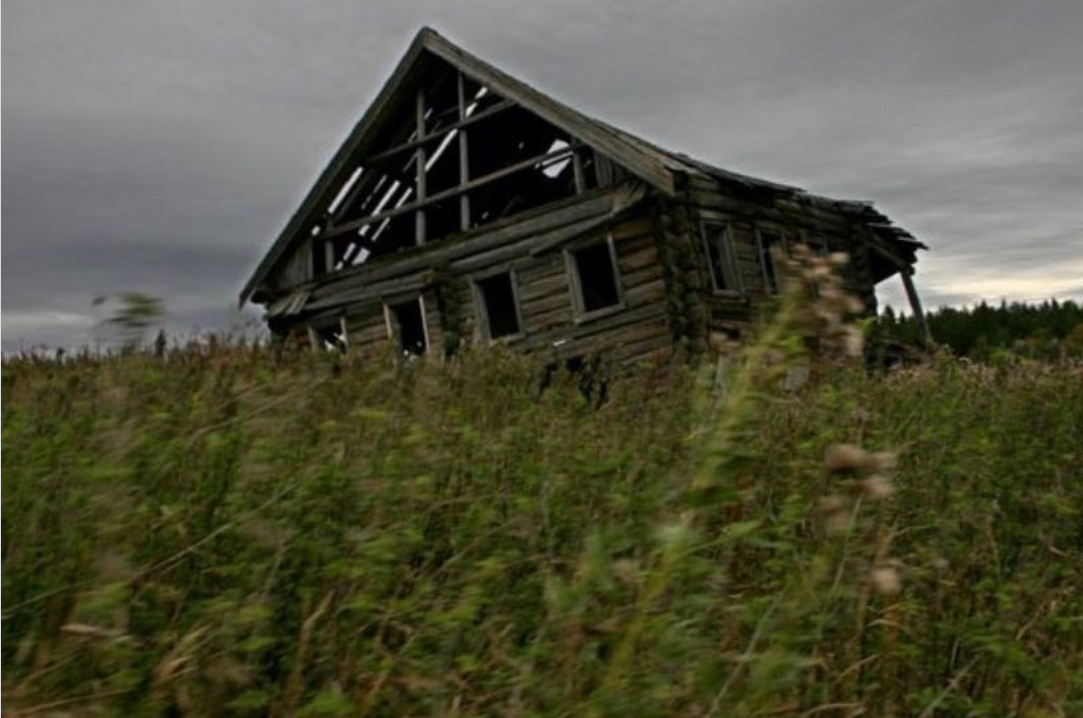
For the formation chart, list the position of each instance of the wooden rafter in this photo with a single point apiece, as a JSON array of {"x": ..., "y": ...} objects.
[{"x": 340, "y": 229}]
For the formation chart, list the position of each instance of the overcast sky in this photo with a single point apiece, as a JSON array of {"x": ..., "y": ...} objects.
[{"x": 160, "y": 147}]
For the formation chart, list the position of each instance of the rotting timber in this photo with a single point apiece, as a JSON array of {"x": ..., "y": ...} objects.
[{"x": 466, "y": 206}]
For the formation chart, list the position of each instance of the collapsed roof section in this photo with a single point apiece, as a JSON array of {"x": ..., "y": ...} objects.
[{"x": 407, "y": 174}]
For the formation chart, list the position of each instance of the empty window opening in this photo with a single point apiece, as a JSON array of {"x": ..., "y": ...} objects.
[
  {"x": 407, "y": 323},
  {"x": 499, "y": 310},
  {"x": 329, "y": 337},
  {"x": 441, "y": 97},
  {"x": 721, "y": 257},
  {"x": 770, "y": 243},
  {"x": 597, "y": 285},
  {"x": 818, "y": 245},
  {"x": 508, "y": 137}
]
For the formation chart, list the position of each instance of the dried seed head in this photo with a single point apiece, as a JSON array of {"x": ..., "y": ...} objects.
[
  {"x": 881, "y": 461},
  {"x": 626, "y": 571},
  {"x": 844, "y": 457},
  {"x": 885, "y": 581},
  {"x": 854, "y": 305},
  {"x": 832, "y": 504},
  {"x": 877, "y": 487},
  {"x": 835, "y": 514},
  {"x": 853, "y": 342}
]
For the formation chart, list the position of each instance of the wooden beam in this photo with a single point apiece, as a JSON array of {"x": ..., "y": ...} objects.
[
  {"x": 464, "y": 156},
  {"x": 915, "y": 305},
  {"x": 577, "y": 169},
  {"x": 447, "y": 194},
  {"x": 426, "y": 139},
  {"x": 420, "y": 169}
]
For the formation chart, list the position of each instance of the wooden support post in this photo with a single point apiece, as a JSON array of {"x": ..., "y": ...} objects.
[
  {"x": 577, "y": 168},
  {"x": 328, "y": 255},
  {"x": 420, "y": 159},
  {"x": 464, "y": 158},
  {"x": 906, "y": 272}
]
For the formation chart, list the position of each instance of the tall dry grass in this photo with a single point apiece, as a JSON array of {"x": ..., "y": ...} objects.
[{"x": 227, "y": 531}]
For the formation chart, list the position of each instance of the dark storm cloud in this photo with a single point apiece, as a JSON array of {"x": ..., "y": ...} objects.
[{"x": 160, "y": 147}]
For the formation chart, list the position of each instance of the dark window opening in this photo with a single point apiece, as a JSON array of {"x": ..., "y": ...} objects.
[
  {"x": 499, "y": 310},
  {"x": 409, "y": 327},
  {"x": 441, "y": 96},
  {"x": 596, "y": 280},
  {"x": 539, "y": 184},
  {"x": 817, "y": 245},
  {"x": 329, "y": 337},
  {"x": 507, "y": 137},
  {"x": 770, "y": 243},
  {"x": 721, "y": 257},
  {"x": 443, "y": 218}
]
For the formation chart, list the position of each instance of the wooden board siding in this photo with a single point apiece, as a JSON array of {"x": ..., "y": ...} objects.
[
  {"x": 533, "y": 248},
  {"x": 799, "y": 219}
]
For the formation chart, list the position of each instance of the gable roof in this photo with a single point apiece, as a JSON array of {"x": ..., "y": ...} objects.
[{"x": 650, "y": 163}]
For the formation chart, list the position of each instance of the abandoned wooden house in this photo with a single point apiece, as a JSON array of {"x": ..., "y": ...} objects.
[{"x": 467, "y": 206}]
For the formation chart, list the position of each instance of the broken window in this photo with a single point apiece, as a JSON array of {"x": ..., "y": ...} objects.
[
  {"x": 595, "y": 279},
  {"x": 498, "y": 310},
  {"x": 328, "y": 337},
  {"x": 770, "y": 242},
  {"x": 406, "y": 323},
  {"x": 817, "y": 245},
  {"x": 722, "y": 258}
]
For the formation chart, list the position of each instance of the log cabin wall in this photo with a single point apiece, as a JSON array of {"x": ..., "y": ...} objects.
[
  {"x": 536, "y": 249},
  {"x": 750, "y": 215}
]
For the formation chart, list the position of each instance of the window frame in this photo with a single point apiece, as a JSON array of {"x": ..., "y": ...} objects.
[
  {"x": 571, "y": 266},
  {"x": 481, "y": 309},
  {"x": 729, "y": 257},
  {"x": 819, "y": 244},
  {"x": 389, "y": 305},
  {"x": 316, "y": 329},
  {"x": 783, "y": 243}
]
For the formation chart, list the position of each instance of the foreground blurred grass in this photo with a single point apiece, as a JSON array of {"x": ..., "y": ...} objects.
[{"x": 227, "y": 532}]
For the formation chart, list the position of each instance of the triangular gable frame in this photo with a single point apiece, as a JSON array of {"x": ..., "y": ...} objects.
[{"x": 636, "y": 157}]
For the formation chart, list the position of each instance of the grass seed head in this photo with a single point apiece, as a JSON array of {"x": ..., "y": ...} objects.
[
  {"x": 845, "y": 457},
  {"x": 877, "y": 487},
  {"x": 885, "y": 581}
]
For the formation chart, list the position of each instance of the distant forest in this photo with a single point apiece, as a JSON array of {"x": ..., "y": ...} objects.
[{"x": 983, "y": 332}]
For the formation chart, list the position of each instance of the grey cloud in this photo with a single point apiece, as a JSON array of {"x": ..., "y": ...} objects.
[{"x": 161, "y": 147}]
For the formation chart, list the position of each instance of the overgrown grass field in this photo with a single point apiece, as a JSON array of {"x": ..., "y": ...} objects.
[{"x": 227, "y": 531}]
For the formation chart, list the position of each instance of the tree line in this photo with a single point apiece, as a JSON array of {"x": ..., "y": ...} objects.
[{"x": 1047, "y": 330}]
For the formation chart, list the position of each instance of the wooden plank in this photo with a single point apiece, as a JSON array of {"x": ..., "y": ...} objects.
[
  {"x": 648, "y": 165},
  {"x": 558, "y": 299},
  {"x": 464, "y": 153},
  {"x": 419, "y": 170},
  {"x": 595, "y": 327},
  {"x": 639, "y": 258},
  {"x": 398, "y": 285},
  {"x": 336, "y": 230},
  {"x": 436, "y": 136},
  {"x": 537, "y": 289},
  {"x": 647, "y": 293},
  {"x": 514, "y": 228}
]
